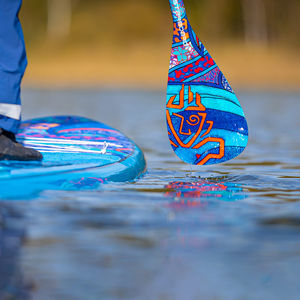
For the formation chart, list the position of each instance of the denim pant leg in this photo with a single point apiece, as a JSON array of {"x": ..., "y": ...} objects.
[{"x": 13, "y": 63}]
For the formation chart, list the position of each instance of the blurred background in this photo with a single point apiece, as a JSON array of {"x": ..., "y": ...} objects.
[
  {"x": 108, "y": 60},
  {"x": 117, "y": 43}
]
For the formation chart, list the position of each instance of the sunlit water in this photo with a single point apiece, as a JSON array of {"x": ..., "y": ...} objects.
[{"x": 228, "y": 231}]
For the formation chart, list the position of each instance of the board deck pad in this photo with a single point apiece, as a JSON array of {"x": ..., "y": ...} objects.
[
  {"x": 78, "y": 152},
  {"x": 205, "y": 121}
]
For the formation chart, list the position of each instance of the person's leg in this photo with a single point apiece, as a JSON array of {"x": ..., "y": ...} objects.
[{"x": 13, "y": 63}]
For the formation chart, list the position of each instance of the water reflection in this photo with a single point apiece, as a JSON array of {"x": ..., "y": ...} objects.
[
  {"x": 197, "y": 193},
  {"x": 234, "y": 226},
  {"x": 12, "y": 236},
  {"x": 32, "y": 188}
]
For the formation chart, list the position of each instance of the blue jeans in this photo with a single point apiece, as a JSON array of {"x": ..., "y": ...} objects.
[{"x": 13, "y": 63}]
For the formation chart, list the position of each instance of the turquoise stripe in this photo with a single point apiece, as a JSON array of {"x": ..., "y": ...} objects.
[
  {"x": 214, "y": 92},
  {"x": 223, "y": 105},
  {"x": 190, "y": 154},
  {"x": 203, "y": 91},
  {"x": 232, "y": 139},
  {"x": 212, "y": 98}
]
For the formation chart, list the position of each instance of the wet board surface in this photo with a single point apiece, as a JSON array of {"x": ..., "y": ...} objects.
[{"x": 78, "y": 153}]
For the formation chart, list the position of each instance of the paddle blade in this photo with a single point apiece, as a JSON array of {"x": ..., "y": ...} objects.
[{"x": 206, "y": 123}]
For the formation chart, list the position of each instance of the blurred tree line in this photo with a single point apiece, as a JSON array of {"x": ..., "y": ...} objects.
[{"x": 81, "y": 21}]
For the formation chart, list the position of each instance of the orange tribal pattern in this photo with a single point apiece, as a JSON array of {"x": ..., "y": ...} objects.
[{"x": 206, "y": 124}]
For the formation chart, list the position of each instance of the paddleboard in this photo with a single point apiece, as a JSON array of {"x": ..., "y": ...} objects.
[{"x": 78, "y": 153}]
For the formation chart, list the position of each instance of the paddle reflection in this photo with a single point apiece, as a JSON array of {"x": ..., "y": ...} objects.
[{"x": 196, "y": 193}]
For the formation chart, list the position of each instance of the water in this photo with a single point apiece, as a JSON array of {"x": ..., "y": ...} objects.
[{"x": 219, "y": 232}]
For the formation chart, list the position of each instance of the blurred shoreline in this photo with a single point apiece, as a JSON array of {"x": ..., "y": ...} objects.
[
  {"x": 126, "y": 44},
  {"x": 141, "y": 66}
]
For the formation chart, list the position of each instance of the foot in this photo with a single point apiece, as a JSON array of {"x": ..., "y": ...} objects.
[{"x": 10, "y": 149}]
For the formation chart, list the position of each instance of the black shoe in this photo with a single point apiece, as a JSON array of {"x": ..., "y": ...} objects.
[{"x": 10, "y": 149}]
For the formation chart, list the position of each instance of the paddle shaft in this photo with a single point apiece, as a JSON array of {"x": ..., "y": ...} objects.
[{"x": 177, "y": 9}]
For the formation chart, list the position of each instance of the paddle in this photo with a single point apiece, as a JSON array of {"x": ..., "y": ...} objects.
[{"x": 206, "y": 124}]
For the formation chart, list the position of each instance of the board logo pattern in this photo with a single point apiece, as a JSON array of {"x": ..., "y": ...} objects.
[
  {"x": 74, "y": 135},
  {"x": 205, "y": 121}
]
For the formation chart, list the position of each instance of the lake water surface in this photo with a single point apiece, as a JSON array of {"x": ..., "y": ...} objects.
[{"x": 229, "y": 231}]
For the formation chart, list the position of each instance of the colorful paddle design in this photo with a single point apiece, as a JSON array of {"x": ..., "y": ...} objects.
[{"x": 206, "y": 123}]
